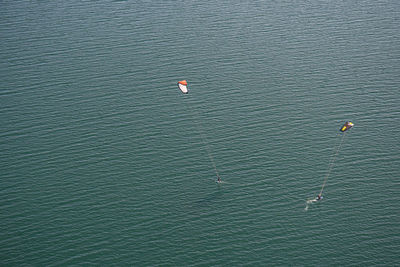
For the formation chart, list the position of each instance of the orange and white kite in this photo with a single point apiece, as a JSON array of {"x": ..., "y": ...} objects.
[{"x": 183, "y": 86}]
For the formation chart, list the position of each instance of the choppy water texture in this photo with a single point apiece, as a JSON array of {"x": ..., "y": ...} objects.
[{"x": 103, "y": 160}]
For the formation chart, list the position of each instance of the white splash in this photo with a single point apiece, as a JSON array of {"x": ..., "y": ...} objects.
[{"x": 309, "y": 202}]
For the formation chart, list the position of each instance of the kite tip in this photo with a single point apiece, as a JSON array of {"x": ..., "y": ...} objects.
[{"x": 183, "y": 82}]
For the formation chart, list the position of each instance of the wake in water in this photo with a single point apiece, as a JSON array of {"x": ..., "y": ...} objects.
[{"x": 309, "y": 202}]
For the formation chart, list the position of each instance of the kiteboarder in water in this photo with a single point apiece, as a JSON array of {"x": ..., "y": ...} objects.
[
  {"x": 183, "y": 86},
  {"x": 346, "y": 126}
]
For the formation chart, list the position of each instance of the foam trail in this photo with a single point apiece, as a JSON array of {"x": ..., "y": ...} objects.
[{"x": 309, "y": 202}]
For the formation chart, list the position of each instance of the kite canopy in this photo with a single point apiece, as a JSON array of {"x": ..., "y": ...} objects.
[
  {"x": 346, "y": 126},
  {"x": 183, "y": 86}
]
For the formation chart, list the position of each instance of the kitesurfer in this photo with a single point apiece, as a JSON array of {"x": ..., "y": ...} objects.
[
  {"x": 219, "y": 179},
  {"x": 319, "y": 197}
]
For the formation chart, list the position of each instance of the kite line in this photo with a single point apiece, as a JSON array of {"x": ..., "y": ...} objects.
[
  {"x": 333, "y": 159},
  {"x": 204, "y": 140}
]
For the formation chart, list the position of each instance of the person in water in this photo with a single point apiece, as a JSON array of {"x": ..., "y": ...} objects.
[
  {"x": 319, "y": 197},
  {"x": 219, "y": 179}
]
